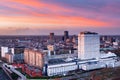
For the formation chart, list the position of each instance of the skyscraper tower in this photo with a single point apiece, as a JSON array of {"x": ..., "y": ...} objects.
[
  {"x": 66, "y": 35},
  {"x": 88, "y": 45},
  {"x": 51, "y": 36}
]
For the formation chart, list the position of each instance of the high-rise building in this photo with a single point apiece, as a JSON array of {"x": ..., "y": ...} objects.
[
  {"x": 33, "y": 58},
  {"x": 51, "y": 37},
  {"x": 4, "y": 50},
  {"x": 88, "y": 45},
  {"x": 66, "y": 35}
]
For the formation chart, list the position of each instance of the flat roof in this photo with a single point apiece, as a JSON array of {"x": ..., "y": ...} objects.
[
  {"x": 88, "y": 32},
  {"x": 58, "y": 61}
]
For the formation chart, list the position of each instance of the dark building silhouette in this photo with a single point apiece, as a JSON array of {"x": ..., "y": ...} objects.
[
  {"x": 66, "y": 35},
  {"x": 51, "y": 36}
]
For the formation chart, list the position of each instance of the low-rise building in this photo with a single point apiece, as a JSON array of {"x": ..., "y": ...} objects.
[
  {"x": 61, "y": 69},
  {"x": 93, "y": 65},
  {"x": 51, "y": 47}
]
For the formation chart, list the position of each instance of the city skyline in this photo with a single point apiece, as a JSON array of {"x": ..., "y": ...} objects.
[{"x": 40, "y": 17}]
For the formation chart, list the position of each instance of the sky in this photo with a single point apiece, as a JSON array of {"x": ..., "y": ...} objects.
[{"x": 40, "y": 17}]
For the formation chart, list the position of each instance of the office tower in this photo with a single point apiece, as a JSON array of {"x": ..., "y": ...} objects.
[
  {"x": 88, "y": 45},
  {"x": 4, "y": 50},
  {"x": 51, "y": 36},
  {"x": 74, "y": 39},
  {"x": 66, "y": 35}
]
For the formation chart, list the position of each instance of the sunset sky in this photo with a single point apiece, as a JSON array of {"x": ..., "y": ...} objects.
[{"x": 40, "y": 17}]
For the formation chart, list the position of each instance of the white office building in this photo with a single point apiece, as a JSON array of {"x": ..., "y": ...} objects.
[
  {"x": 88, "y": 45},
  {"x": 4, "y": 50}
]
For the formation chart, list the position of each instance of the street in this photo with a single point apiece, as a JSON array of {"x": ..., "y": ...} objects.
[{"x": 3, "y": 76}]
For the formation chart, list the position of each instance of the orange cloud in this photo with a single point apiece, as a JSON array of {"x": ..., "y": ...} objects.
[
  {"x": 53, "y": 21},
  {"x": 32, "y": 8},
  {"x": 39, "y": 4},
  {"x": 39, "y": 20}
]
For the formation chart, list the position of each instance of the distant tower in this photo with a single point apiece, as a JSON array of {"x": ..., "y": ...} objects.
[
  {"x": 88, "y": 45},
  {"x": 51, "y": 36},
  {"x": 66, "y": 35},
  {"x": 74, "y": 39}
]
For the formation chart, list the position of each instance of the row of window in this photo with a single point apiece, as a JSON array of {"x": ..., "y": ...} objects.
[{"x": 61, "y": 69}]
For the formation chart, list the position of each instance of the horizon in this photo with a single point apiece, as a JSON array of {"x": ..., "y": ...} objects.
[{"x": 40, "y": 17}]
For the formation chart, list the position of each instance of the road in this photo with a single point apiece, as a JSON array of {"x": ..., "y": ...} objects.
[{"x": 3, "y": 75}]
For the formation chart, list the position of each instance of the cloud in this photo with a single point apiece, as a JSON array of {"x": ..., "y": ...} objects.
[
  {"x": 56, "y": 14},
  {"x": 103, "y": 10},
  {"x": 52, "y": 21}
]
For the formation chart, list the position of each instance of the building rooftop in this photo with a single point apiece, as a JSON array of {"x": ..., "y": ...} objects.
[
  {"x": 58, "y": 61},
  {"x": 107, "y": 55},
  {"x": 34, "y": 50},
  {"x": 88, "y": 32}
]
